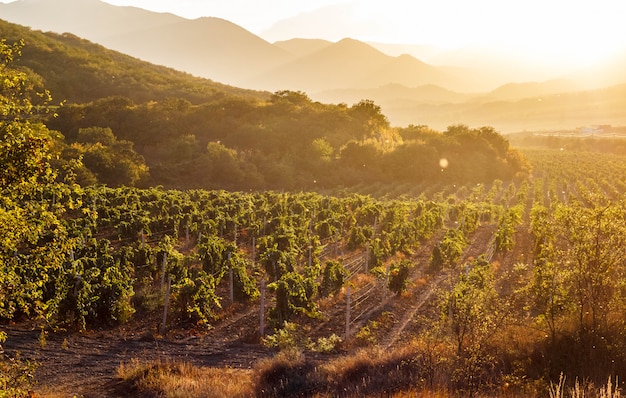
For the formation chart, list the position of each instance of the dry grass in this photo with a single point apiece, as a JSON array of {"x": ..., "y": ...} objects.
[
  {"x": 370, "y": 372},
  {"x": 418, "y": 370},
  {"x": 166, "y": 379}
]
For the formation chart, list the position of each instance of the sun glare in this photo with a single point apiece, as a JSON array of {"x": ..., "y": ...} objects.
[{"x": 559, "y": 32}]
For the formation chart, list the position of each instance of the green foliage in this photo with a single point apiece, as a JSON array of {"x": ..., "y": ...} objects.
[
  {"x": 290, "y": 337},
  {"x": 69, "y": 64},
  {"x": 366, "y": 335},
  {"x": 32, "y": 236},
  {"x": 294, "y": 296},
  {"x": 398, "y": 276},
  {"x": 244, "y": 286},
  {"x": 577, "y": 289},
  {"x": 112, "y": 162},
  {"x": 215, "y": 253},
  {"x": 506, "y": 230},
  {"x": 472, "y": 309},
  {"x": 195, "y": 297},
  {"x": 333, "y": 278},
  {"x": 328, "y": 345},
  {"x": 95, "y": 288},
  {"x": 16, "y": 374},
  {"x": 260, "y": 150},
  {"x": 449, "y": 250},
  {"x": 359, "y": 236}
]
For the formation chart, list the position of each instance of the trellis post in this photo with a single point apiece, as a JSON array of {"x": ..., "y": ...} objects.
[
  {"x": 347, "y": 313},
  {"x": 262, "y": 314},
  {"x": 166, "y": 304}
]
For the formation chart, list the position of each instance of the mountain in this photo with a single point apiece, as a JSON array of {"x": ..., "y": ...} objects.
[
  {"x": 303, "y": 47},
  {"x": 351, "y": 64},
  {"x": 409, "y": 90},
  {"x": 516, "y": 91},
  {"x": 548, "y": 112},
  {"x": 208, "y": 47},
  {"x": 76, "y": 70},
  {"x": 225, "y": 52},
  {"x": 396, "y": 93},
  {"x": 91, "y": 19},
  {"x": 424, "y": 52}
]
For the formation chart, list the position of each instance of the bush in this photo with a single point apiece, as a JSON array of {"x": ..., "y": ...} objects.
[
  {"x": 16, "y": 376},
  {"x": 333, "y": 278},
  {"x": 398, "y": 276}
]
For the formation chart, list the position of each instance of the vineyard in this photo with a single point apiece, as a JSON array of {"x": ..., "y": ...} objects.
[
  {"x": 494, "y": 287},
  {"x": 462, "y": 271}
]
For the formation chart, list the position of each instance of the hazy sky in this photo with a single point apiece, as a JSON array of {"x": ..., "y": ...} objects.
[{"x": 568, "y": 30}]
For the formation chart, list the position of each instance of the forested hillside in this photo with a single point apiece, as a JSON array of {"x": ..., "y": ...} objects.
[
  {"x": 78, "y": 71},
  {"x": 134, "y": 123}
]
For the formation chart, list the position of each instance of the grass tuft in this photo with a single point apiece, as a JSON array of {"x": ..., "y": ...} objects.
[{"x": 181, "y": 379}]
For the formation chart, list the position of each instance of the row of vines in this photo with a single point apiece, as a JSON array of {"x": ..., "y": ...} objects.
[
  {"x": 118, "y": 246},
  {"x": 113, "y": 251}
]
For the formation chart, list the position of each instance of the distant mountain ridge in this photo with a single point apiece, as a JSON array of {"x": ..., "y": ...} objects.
[
  {"x": 352, "y": 64},
  {"x": 207, "y": 47},
  {"x": 408, "y": 90},
  {"x": 222, "y": 51},
  {"x": 78, "y": 71}
]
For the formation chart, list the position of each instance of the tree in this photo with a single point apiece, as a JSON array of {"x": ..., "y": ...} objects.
[
  {"x": 369, "y": 119},
  {"x": 35, "y": 243},
  {"x": 472, "y": 309},
  {"x": 33, "y": 240},
  {"x": 112, "y": 161},
  {"x": 578, "y": 289},
  {"x": 297, "y": 98},
  {"x": 25, "y": 142},
  {"x": 595, "y": 254}
]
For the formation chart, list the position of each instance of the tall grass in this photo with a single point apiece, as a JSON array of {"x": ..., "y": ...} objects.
[
  {"x": 180, "y": 379},
  {"x": 586, "y": 390}
]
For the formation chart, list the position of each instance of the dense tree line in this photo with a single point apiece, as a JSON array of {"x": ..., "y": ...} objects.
[{"x": 288, "y": 142}]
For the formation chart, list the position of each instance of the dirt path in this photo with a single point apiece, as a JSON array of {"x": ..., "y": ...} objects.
[
  {"x": 422, "y": 295},
  {"x": 86, "y": 364}
]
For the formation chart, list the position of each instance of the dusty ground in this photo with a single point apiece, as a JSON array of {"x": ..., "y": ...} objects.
[{"x": 85, "y": 364}]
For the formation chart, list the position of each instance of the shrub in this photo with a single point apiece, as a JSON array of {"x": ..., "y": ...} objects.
[
  {"x": 333, "y": 278},
  {"x": 398, "y": 277}
]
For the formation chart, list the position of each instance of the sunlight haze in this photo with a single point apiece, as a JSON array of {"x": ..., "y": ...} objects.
[
  {"x": 559, "y": 32},
  {"x": 555, "y": 33}
]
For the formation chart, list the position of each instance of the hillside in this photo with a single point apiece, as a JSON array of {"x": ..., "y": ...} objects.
[
  {"x": 551, "y": 105},
  {"x": 303, "y": 47},
  {"x": 76, "y": 70},
  {"x": 207, "y": 47}
]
